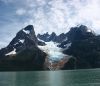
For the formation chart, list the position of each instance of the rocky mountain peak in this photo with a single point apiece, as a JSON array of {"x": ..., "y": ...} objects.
[
  {"x": 29, "y": 27},
  {"x": 24, "y": 39},
  {"x": 23, "y": 52},
  {"x": 79, "y": 33}
]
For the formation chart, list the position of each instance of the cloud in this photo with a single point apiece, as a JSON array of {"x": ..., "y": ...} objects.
[
  {"x": 6, "y": 1},
  {"x": 87, "y": 14},
  {"x": 50, "y": 15},
  {"x": 60, "y": 15},
  {"x": 20, "y": 11}
]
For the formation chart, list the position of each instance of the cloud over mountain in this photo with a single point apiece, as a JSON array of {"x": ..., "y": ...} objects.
[{"x": 48, "y": 15}]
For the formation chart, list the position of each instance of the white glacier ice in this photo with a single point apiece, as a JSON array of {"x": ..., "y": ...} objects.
[{"x": 52, "y": 50}]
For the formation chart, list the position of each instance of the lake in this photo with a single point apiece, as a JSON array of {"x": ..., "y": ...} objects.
[{"x": 88, "y": 77}]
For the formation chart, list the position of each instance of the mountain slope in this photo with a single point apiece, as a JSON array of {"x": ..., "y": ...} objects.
[
  {"x": 22, "y": 52},
  {"x": 85, "y": 48},
  {"x": 80, "y": 47}
]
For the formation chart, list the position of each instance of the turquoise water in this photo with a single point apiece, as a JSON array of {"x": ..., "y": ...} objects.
[{"x": 51, "y": 78}]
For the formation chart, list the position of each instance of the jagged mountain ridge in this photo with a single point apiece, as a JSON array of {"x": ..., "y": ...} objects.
[
  {"x": 84, "y": 47},
  {"x": 52, "y": 37},
  {"x": 25, "y": 38},
  {"x": 75, "y": 33},
  {"x": 23, "y": 51}
]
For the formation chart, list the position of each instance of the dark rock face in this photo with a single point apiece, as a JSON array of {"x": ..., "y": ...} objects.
[
  {"x": 85, "y": 48},
  {"x": 52, "y": 37},
  {"x": 44, "y": 37},
  {"x": 28, "y": 55},
  {"x": 25, "y": 38},
  {"x": 62, "y": 44},
  {"x": 71, "y": 64},
  {"x": 79, "y": 33},
  {"x": 60, "y": 38}
]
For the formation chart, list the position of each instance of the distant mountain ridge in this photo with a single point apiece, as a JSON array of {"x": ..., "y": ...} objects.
[
  {"x": 23, "y": 52},
  {"x": 52, "y": 37},
  {"x": 76, "y": 33},
  {"x": 82, "y": 44}
]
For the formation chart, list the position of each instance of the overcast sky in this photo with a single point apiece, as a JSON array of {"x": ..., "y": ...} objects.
[{"x": 46, "y": 15}]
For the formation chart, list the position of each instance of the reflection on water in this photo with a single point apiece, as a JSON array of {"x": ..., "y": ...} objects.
[
  {"x": 51, "y": 78},
  {"x": 56, "y": 78}
]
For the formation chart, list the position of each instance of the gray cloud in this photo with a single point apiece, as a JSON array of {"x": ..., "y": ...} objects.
[{"x": 47, "y": 15}]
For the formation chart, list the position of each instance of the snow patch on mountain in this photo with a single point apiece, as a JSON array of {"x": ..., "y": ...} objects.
[
  {"x": 26, "y": 31},
  {"x": 68, "y": 45},
  {"x": 40, "y": 40},
  {"x": 89, "y": 30},
  {"x": 11, "y": 53},
  {"x": 21, "y": 40},
  {"x": 66, "y": 39},
  {"x": 16, "y": 43}
]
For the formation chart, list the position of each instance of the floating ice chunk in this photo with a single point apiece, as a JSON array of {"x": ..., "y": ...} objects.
[
  {"x": 11, "y": 53},
  {"x": 26, "y": 31}
]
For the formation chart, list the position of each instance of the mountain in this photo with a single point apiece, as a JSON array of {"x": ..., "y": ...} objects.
[
  {"x": 79, "y": 33},
  {"x": 52, "y": 37},
  {"x": 84, "y": 48},
  {"x": 80, "y": 48},
  {"x": 81, "y": 44},
  {"x": 76, "y": 33},
  {"x": 47, "y": 37},
  {"x": 44, "y": 37},
  {"x": 22, "y": 52}
]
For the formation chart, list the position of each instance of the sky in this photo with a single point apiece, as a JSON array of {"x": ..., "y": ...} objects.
[{"x": 46, "y": 16}]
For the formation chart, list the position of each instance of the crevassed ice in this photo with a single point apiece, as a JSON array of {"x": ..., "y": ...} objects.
[
  {"x": 26, "y": 31},
  {"x": 11, "y": 53},
  {"x": 52, "y": 50}
]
